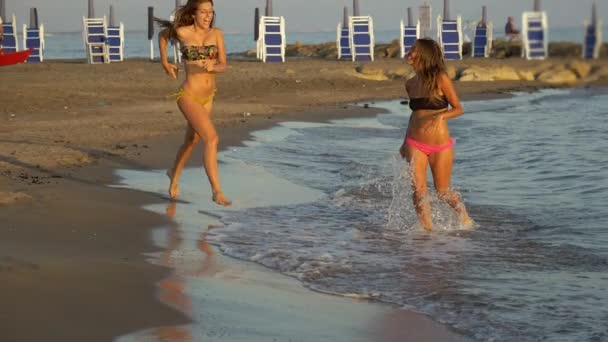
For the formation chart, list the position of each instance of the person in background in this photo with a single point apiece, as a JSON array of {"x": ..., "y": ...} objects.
[{"x": 510, "y": 31}]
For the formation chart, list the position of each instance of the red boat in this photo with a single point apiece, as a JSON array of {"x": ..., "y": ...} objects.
[{"x": 14, "y": 58}]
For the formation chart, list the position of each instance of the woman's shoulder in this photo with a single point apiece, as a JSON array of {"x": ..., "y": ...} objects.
[
  {"x": 182, "y": 32},
  {"x": 411, "y": 81},
  {"x": 218, "y": 31}
]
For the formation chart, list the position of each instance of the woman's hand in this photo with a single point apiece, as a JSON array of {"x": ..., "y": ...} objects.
[
  {"x": 433, "y": 122},
  {"x": 171, "y": 70},
  {"x": 209, "y": 65},
  {"x": 403, "y": 150}
]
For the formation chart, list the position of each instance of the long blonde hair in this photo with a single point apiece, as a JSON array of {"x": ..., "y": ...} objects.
[
  {"x": 183, "y": 17},
  {"x": 429, "y": 65}
]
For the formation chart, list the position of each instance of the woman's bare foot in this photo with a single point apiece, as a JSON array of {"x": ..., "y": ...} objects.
[
  {"x": 173, "y": 185},
  {"x": 467, "y": 222},
  {"x": 220, "y": 198}
]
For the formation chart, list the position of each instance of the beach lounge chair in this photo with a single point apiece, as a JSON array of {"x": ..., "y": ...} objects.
[
  {"x": 10, "y": 42},
  {"x": 535, "y": 38},
  {"x": 593, "y": 40},
  {"x": 343, "y": 42},
  {"x": 115, "y": 41},
  {"x": 271, "y": 43},
  {"x": 362, "y": 41},
  {"x": 449, "y": 35},
  {"x": 409, "y": 35},
  {"x": 33, "y": 38},
  {"x": 175, "y": 47},
  {"x": 482, "y": 42},
  {"x": 95, "y": 35}
]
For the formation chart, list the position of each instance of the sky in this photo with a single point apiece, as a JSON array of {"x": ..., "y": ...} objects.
[{"x": 300, "y": 15}]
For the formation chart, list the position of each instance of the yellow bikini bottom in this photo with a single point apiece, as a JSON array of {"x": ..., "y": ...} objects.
[{"x": 202, "y": 100}]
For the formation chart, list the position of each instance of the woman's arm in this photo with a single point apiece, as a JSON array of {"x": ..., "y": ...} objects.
[
  {"x": 163, "y": 41},
  {"x": 221, "y": 64},
  {"x": 447, "y": 87}
]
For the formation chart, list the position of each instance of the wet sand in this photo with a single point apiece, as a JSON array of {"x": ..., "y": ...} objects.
[{"x": 72, "y": 262}]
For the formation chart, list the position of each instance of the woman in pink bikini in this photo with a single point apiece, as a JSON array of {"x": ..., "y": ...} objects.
[{"x": 427, "y": 140}]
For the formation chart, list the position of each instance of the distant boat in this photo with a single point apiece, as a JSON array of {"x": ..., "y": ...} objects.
[{"x": 14, "y": 57}]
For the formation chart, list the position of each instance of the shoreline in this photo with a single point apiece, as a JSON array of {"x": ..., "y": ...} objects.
[{"x": 70, "y": 233}]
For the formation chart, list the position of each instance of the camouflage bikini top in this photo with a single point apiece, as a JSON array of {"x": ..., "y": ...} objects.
[{"x": 198, "y": 53}]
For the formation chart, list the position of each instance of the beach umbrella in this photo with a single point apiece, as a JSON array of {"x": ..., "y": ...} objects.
[
  {"x": 425, "y": 14},
  {"x": 151, "y": 30},
  {"x": 3, "y": 10},
  {"x": 112, "y": 17},
  {"x": 269, "y": 8},
  {"x": 91, "y": 13},
  {"x": 356, "y": 9},
  {"x": 484, "y": 14},
  {"x": 536, "y": 5},
  {"x": 345, "y": 17},
  {"x": 446, "y": 9},
  {"x": 410, "y": 17},
  {"x": 256, "y": 24},
  {"x": 33, "y": 18}
]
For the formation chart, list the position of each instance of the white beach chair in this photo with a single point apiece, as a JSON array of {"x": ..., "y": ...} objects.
[
  {"x": 482, "y": 42},
  {"x": 33, "y": 38},
  {"x": 343, "y": 43},
  {"x": 593, "y": 40},
  {"x": 535, "y": 35},
  {"x": 409, "y": 35},
  {"x": 449, "y": 35},
  {"x": 115, "y": 41},
  {"x": 271, "y": 42},
  {"x": 362, "y": 41},
  {"x": 95, "y": 36},
  {"x": 10, "y": 43},
  {"x": 175, "y": 47}
]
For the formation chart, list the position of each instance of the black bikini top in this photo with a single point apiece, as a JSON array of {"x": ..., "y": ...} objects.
[
  {"x": 419, "y": 103},
  {"x": 198, "y": 53}
]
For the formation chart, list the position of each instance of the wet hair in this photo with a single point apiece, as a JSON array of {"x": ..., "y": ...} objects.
[
  {"x": 429, "y": 65},
  {"x": 184, "y": 16}
]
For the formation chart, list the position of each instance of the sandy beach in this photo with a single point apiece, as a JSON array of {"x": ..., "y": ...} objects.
[{"x": 72, "y": 250}]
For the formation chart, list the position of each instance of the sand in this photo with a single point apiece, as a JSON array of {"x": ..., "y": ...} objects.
[{"x": 72, "y": 262}]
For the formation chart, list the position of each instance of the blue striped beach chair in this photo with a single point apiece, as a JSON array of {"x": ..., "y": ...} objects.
[
  {"x": 10, "y": 42},
  {"x": 449, "y": 34},
  {"x": 271, "y": 42},
  {"x": 95, "y": 36},
  {"x": 362, "y": 41},
  {"x": 409, "y": 35},
  {"x": 115, "y": 41},
  {"x": 343, "y": 42},
  {"x": 593, "y": 40},
  {"x": 535, "y": 35},
  {"x": 33, "y": 38},
  {"x": 482, "y": 42}
]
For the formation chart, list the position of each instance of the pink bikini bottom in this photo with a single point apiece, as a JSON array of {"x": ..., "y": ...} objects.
[{"x": 428, "y": 149}]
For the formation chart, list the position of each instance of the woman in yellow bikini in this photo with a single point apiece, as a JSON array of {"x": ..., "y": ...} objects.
[{"x": 204, "y": 55}]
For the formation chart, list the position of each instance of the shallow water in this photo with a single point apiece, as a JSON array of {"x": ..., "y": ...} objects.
[{"x": 532, "y": 170}]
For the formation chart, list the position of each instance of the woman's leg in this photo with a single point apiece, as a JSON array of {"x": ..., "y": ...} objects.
[
  {"x": 441, "y": 166},
  {"x": 199, "y": 117},
  {"x": 184, "y": 152},
  {"x": 418, "y": 163}
]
